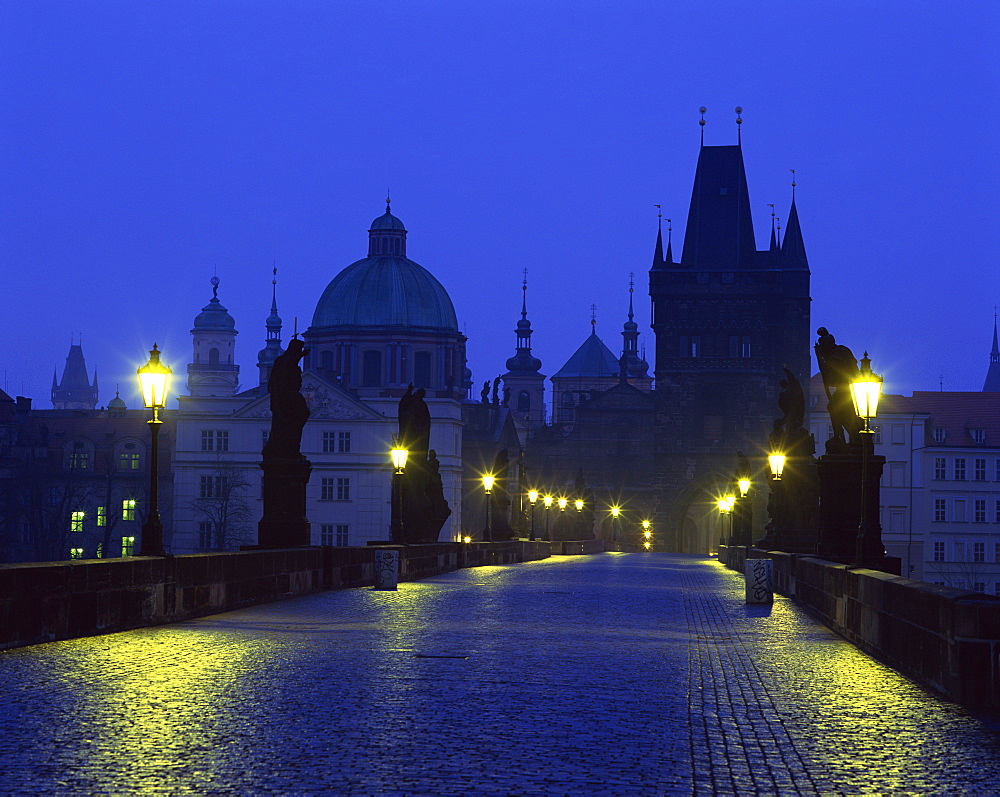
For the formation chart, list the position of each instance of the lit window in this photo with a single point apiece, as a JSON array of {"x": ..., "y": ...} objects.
[
  {"x": 342, "y": 534},
  {"x": 343, "y": 489},
  {"x": 79, "y": 457},
  {"x": 102, "y": 516},
  {"x": 76, "y": 553},
  {"x": 939, "y": 468},
  {"x": 76, "y": 521},
  {"x": 960, "y": 468},
  {"x": 128, "y": 546},
  {"x": 980, "y": 469},
  {"x": 938, "y": 551},
  {"x": 99, "y": 553},
  {"x": 128, "y": 509}
]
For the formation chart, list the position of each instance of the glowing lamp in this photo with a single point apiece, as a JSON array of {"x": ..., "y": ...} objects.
[
  {"x": 616, "y": 511},
  {"x": 153, "y": 381},
  {"x": 647, "y": 544},
  {"x": 488, "y": 482},
  {"x": 647, "y": 534},
  {"x": 467, "y": 539},
  {"x": 777, "y": 463},
  {"x": 645, "y": 524},
  {"x": 547, "y": 500},
  {"x": 399, "y": 455},
  {"x": 532, "y": 496},
  {"x": 865, "y": 391},
  {"x": 744, "y": 485},
  {"x": 562, "y": 504},
  {"x": 578, "y": 503},
  {"x": 723, "y": 505}
]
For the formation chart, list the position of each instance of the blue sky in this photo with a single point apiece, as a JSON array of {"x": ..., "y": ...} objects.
[{"x": 147, "y": 146}]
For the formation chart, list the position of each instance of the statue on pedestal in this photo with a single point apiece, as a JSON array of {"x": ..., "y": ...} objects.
[{"x": 424, "y": 508}]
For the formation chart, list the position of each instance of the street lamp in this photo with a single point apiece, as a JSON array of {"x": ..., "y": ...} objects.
[
  {"x": 865, "y": 392},
  {"x": 725, "y": 506},
  {"x": 647, "y": 533},
  {"x": 578, "y": 503},
  {"x": 547, "y": 503},
  {"x": 562, "y": 504},
  {"x": 399, "y": 455},
  {"x": 777, "y": 462},
  {"x": 153, "y": 381},
  {"x": 744, "y": 485},
  {"x": 615, "y": 513},
  {"x": 532, "y": 498},
  {"x": 488, "y": 482}
]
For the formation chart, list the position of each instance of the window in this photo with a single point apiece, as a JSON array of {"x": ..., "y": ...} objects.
[
  {"x": 695, "y": 345},
  {"x": 326, "y": 534},
  {"x": 898, "y": 432},
  {"x": 940, "y": 512},
  {"x": 958, "y": 584},
  {"x": 128, "y": 457},
  {"x": 958, "y": 549},
  {"x": 326, "y": 490},
  {"x": 979, "y": 586},
  {"x": 128, "y": 546},
  {"x": 329, "y": 439},
  {"x": 979, "y": 470},
  {"x": 938, "y": 551},
  {"x": 343, "y": 442},
  {"x": 979, "y": 511},
  {"x": 897, "y": 474},
  {"x": 939, "y": 468},
  {"x": 210, "y": 486},
  {"x": 76, "y": 553},
  {"x": 979, "y": 552},
  {"x": 996, "y": 552},
  {"x": 102, "y": 516},
  {"x": 978, "y": 435},
  {"x": 745, "y": 346},
  {"x": 422, "y": 369},
  {"x": 939, "y": 434},
  {"x": 79, "y": 457},
  {"x": 960, "y": 468},
  {"x": 371, "y": 368},
  {"x": 205, "y": 534},
  {"x": 897, "y": 520},
  {"x": 99, "y": 553},
  {"x": 878, "y": 434},
  {"x": 214, "y": 440},
  {"x": 343, "y": 489},
  {"x": 342, "y": 534},
  {"x": 959, "y": 516},
  {"x": 76, "y": 521},
  {"x": 128, "y": 509}
]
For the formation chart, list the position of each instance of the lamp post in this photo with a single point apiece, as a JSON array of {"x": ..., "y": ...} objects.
[
  {"x": 615, "y": 513},
  {"x": 725, "y": 506},
  {"x": 153, "y": 381},
  {"x": 865, "y": 392},
  {"x": 488, "y": 482},
  {"x": 547, "y": 503},
  {"x": 399, "y": 455},
  {"x": 532, "y": 498},
  {"x": 743, "y": 511}
]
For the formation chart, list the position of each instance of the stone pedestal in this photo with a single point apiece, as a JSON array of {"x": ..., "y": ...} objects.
[
  {"x": 793, "y": 502},
  {"x": 840, "y": 510},
  {"x": 284, "y": 524}
]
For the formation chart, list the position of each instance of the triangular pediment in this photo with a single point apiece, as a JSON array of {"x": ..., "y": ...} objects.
[{"x": 325, "y": 399}]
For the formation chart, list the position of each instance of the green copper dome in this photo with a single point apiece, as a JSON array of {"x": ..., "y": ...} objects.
[{"x": 385, "y": 289}]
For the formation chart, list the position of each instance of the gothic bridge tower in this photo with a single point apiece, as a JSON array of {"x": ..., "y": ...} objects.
[{"x": 726, "y": 318}]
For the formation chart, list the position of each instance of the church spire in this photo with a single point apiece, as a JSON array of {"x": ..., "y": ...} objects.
[
  {"x": 774, "y": 238},
  {"x": 523, "y": 362},
  {"x": 658, "y": 261},
  {"x": 992, "y": 383},
  {"x": 632, "y": 365},
  {"x": 272, "y": 341},
  {"x": 792, "y": 246},
  {"x": 670, "y": 246}
]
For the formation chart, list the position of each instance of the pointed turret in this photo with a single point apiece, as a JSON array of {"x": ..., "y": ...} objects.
[
  {"x": 719, "y": 233},
  {"x": 214, "y": 371},
  {"x": 658, "y": 261},
  {"x": 633, "y": 367},
  {"x": 272, "y": 345},
  {"x": 523, "y": 379},
  {"x": 74, "y": 391},
  {"x": 992, "y": 383},
  {"x": 792, "y": 248},
  {"x": 670, "y": 243}
]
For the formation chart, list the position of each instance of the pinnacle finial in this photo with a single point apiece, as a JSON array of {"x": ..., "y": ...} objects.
[
  {"x": 387, "y": 200},
  {"x": 524, "y": 294},
  {"x": 793, "y": 183},
  {"x": 701, "y": 122},
  {"x": 593, "y": 318},
  {"x": 739, "y": 124}
]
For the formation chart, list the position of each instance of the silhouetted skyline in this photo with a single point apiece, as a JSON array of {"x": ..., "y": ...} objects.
[{"x": 152, "y": 146}]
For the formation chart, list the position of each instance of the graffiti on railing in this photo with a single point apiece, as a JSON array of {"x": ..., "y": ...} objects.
[{"x": 759, "y": 575}]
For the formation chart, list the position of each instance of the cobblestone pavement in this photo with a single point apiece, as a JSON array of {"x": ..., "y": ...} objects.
[{"x": 612, "y": 674}]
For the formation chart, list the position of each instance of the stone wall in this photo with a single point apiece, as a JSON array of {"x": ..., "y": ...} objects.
[
  {"x": 46, "y": 601},
  {"x": 947, "y": 639}
]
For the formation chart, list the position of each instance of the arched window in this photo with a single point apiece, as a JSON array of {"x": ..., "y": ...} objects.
[
  {"x": 213, "y": 356},
  {"x": 371, "y": 368},
  {"x": 422, "y": 369},
  {"x": 524, "y": 401}
]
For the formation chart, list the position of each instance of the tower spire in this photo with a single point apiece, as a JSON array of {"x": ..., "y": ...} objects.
[
  {"x": 670, "y": 247},
  {"x": 992, "y": 383},
  {"x": 272, "y": 338},
  {"x": 658, "y": 250},
  {"x": 774, "y": 239}
]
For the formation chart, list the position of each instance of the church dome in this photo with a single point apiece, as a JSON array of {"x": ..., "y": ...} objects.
[
  {"x": 214, "y": 316},
  {"x": 386, "y": 289}
]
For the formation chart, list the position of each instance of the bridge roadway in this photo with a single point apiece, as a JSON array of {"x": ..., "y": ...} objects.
[{"x": 609, "y": 674}]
